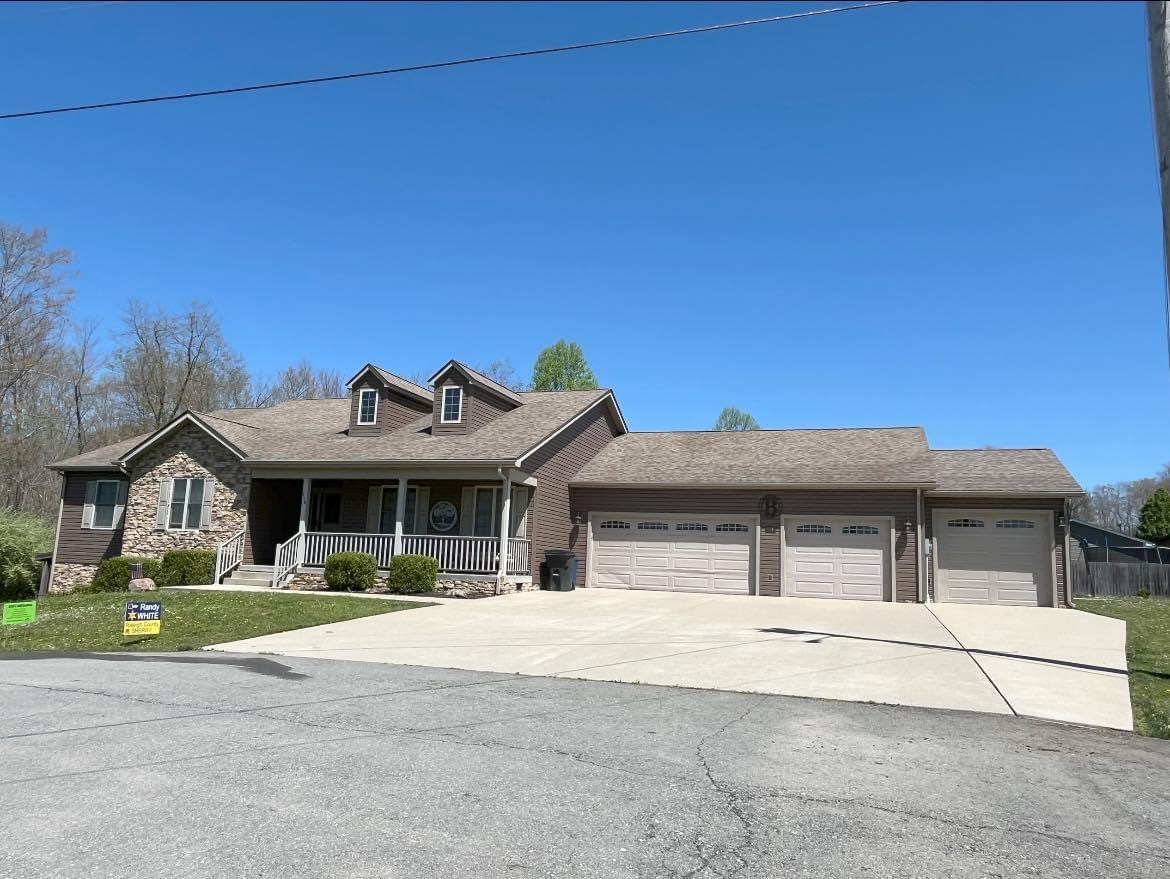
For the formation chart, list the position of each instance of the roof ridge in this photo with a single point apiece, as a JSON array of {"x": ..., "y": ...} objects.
[
  {"x": 998, "y": 449},
  {"x": 776, "y": 430},
  {"x": 228, "y": 420}
]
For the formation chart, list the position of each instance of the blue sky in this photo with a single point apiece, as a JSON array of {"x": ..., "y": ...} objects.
[{"x": 934, "y": 214}]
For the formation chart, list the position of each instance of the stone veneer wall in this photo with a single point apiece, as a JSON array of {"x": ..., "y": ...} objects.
[
  {"x": 189, "y": 451},
  {"x": 453, "y": 587},
  {"x": 67, "y": 577}
]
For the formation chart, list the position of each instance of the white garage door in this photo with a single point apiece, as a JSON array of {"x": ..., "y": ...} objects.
[
  {"x": 688, "y": 554},
  {"x": 994, "y": 556},
  {"x": 832, "y": 557}
]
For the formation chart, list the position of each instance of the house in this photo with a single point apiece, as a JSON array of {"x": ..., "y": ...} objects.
[
  {"x": 1096, "y": 543},
  {"x": 486, "y": 480}
]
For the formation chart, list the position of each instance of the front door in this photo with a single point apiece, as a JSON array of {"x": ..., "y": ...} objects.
[{"x": 325, "y": 510}]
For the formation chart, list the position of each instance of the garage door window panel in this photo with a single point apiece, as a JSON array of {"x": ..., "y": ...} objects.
[
  {"x": 1015, "y": 523},
  {"x": 816, "y": 528}
]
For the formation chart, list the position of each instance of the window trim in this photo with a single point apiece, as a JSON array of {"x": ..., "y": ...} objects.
[
  {"x": 443, "y": 419},
  {"x": 113, "y": 526},
  {"x": 186, "y": 526},
  {"x": 361, "y": 398}
]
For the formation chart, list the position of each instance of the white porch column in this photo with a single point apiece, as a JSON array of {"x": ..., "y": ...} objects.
[
  {"x": 505, "y": 527},
  {"x": 399, "y": 515},
  {"x": 303, "y": 520}
]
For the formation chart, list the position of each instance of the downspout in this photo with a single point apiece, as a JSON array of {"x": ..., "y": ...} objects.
[
  {"x": 56, "y": 538},
  {"x": 503, "y": 527},
  {"x": 923, "y": 596}
]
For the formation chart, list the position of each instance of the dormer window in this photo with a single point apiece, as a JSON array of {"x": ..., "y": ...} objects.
[
  {"x": 452, "y": 404},
  {"x": 368, "y": 406}
]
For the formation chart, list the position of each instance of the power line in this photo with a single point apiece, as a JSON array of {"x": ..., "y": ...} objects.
[{"x": 460, "y": 62}]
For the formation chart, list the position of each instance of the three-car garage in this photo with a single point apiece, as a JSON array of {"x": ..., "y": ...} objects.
[{"x": 979, "y": 556}]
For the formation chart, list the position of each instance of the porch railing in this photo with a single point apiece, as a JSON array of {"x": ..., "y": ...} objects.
[
  {"x": 288, "y": 556},
  {"x": 228, "y": 555},
  {"x": 455, "y": 554},
  {"x": 320, "y": 545},
  {"x": 517, "y": 556}
]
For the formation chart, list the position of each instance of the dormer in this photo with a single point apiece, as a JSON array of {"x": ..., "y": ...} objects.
[
  {"x": 382, "y": 401},
  {"x": 465, "y": 400}
]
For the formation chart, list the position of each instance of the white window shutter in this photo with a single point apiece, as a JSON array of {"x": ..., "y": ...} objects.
[
  {"x": 519, "y": 511},
  {"x": 87, "y": 510},
  {"x": 120, "y": 503},
  {"x": 374, "y": 510},
  {"x": 164, "y": 502},
  {"x": 208, "y": 504},
  {"x": 422, "y": 509},
  {"x": 467, "y": 511}
]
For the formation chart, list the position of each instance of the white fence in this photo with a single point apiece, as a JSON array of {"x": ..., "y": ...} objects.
[{"x": 320, "y": 545}]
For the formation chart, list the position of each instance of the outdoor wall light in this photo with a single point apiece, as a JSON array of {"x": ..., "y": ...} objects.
[
  {"x": 578, "y": 519},
  {"x": 1061, "y": 521},
  {"x": 908, "y": 526}
]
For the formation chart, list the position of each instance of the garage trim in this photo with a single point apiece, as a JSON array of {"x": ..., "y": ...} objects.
[
  {"x": 888, "y": 564},
  {"x": 1047, "y": 516},
  {"x": 752, "y": 521}
]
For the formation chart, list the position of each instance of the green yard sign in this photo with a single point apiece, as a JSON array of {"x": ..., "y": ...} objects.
[{"x": 20, "y": 612}]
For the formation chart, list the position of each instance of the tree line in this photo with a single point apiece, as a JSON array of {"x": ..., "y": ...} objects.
[{"x": 1119, "y": 505}]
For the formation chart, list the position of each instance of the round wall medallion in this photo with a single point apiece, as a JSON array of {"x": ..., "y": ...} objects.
[{"x": 444, "y": 516}]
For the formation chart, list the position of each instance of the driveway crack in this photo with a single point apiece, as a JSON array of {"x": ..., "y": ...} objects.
[{"x": 973, "y": 658}]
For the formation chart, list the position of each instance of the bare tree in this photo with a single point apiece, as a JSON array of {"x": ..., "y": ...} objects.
[
  {"x": 301, "y": 381},
  {"x": 502, "y": 371},
  {"x": 33, "y": 304},
  {"x": 172, "y": 362}
]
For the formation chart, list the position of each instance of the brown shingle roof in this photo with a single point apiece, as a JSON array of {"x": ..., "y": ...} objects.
[
  {"x": 865, "y": 456},
  {"x": 403, "y": 384},
  {"x": 1013, "y": 471}
]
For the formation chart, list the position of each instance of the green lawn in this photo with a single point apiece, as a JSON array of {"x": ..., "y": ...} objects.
[
  {"x": 1148, "y": 647},
  {"x": 190, "y": 619}
]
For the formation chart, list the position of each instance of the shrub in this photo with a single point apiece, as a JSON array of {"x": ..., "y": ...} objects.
[
  {"x": 188, "y": 567},
  {"x": 413, "y": 573},
  {"x": 113, "y": 575},
  {"x": 351, "y": 571},
  {"x": 21, "y": 537}
]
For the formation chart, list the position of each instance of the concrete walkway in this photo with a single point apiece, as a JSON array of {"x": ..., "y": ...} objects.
[{"x": 1055, "y": 664}]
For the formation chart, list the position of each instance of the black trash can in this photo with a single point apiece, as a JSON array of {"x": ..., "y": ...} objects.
[{"x": 559, "y": 571}]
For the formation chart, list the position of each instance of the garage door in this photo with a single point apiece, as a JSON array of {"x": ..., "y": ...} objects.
[
  {"x": 687, "y": 554},
  {"x": 993, "y": 556},
  {"x": 836, "y": 558}
]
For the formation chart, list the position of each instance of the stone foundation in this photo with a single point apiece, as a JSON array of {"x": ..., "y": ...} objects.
[
  {"x": 452, "y": 588},
  {"x": 479, "y": 588},
  {"x": 66, "y": 578}
]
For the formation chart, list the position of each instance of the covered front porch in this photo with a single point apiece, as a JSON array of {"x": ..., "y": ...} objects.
[{"x": 474, "y": 523}]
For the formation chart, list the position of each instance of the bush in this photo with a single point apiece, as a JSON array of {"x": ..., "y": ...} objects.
[
  {"x": 351, "y": 571},
  {"x": 413, "y": 573},
  {"x": 113, "y": 575},
  {"x": 21, "y": 537},
  {"x": 188, "y": 567}
]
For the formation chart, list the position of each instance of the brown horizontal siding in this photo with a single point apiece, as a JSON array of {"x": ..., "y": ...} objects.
[
  {"x": 901, "y": 505},
  {"x": 394, "y": 409},
  {"x": 485, "y": 407},
  {"x": 274, "y": 514},
  {"x": 1055, "y": 505},
  {"x": 85, "y": 546},
  {"x": 550, "y": 523}
]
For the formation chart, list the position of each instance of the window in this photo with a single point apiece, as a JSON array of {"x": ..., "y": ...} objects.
[
  {"x": 813, "y": 528},
  {"x": 653, "y": 526},
  {"x": 860, "y": 529},
  {"x": 690, "y": 526},
  {"x": 965, "y": 523},
  {"x": 732, "y": 527},
  {"x": 368, "y": 406},
  {"x": 614, "y": 525},
  {"x": 485, "y": 520},
  {"x": 105, "y": 499},
  {"x": 1015, "y": 523},
  {"x": 452, "y": 404},
  {"x": 186, "y": 504},
  {"x": 389, "y": 508}
]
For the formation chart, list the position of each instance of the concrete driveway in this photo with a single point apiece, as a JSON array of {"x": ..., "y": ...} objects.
[{"x": 1038, "y": 662}]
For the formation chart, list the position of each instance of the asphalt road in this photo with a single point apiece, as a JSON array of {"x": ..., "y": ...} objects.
[{"x": 210, "y": 765}]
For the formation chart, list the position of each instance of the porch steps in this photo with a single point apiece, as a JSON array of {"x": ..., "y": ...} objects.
[{"x": 250, "y": 575}]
